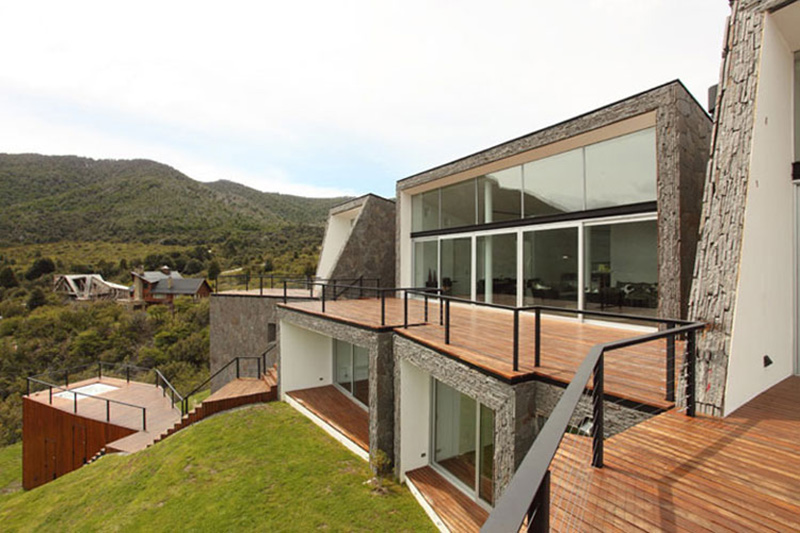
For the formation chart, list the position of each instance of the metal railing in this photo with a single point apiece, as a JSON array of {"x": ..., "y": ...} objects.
[
  {"x": 525, "y": 502},
  {"x": 75, "y": 395},
  {"x": 285, "y": 282},
  {"x": 237, "y": 362}
]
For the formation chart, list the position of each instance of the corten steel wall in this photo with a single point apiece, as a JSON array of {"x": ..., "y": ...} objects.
[
  {"x": 55, "y": 442},
  {"x": 370, "y": 248},
  {"x": 682, "y": 137}
]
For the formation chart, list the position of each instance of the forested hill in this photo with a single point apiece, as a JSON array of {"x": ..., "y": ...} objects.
[{"x": 56, "y": 198}]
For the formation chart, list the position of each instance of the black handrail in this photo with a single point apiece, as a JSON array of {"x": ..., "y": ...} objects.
[
  {"x": 285, "y": 281},
  {"x": 75, "y": 394},
  {"x": 236, "y": 361},
  {"x": 527, "y": 495}
]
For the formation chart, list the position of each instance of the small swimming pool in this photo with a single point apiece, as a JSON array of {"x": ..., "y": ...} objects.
[{"x": 95, "y": 389}]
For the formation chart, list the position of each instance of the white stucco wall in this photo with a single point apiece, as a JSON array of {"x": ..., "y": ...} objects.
[
  {"x": 336, "y": 234},
  {"x": 763, "y": 320},
  {"x": 306, "y": 359},
  {"x": 404, "y": 253},
  {"x": 415, "y": 393}
]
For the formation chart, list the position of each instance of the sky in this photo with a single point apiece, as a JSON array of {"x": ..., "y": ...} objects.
[{"x": 330, "y": 98}]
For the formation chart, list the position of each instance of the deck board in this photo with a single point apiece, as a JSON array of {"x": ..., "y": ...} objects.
[
  {"x": 676, "y": 473},
  {"x": 338, "y": 410},
  {"x": 457, "y": 511},
  {"x": 483, "y": 338}
]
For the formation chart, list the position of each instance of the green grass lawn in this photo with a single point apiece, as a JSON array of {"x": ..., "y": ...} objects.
[
  {"x": 264, "y": 468},
  {"x": 10, "y": 469}
]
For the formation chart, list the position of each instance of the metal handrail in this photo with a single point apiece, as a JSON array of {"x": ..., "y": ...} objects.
[
  {"x": 75, "y": 400},
  {"x": 235, "y": 360},
  {"x": 527, "y": 495}
]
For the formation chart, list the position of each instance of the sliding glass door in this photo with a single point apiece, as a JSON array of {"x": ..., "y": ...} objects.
[
  {"x": 550, "y": 266},
  {"x": 463, "y": 441},
  {"x": 457, "y": 267},
  {"x": 351, "y": 370},
  {"x": 497, "y": 268}
]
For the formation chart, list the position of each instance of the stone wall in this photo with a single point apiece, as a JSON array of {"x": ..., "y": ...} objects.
[
  {"x": 716, "y": 272},
  {"x": 370, "y": 249}
]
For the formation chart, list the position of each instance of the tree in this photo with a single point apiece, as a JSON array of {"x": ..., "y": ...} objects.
[
  {"x": 40, "y": 267},
  {"x": 268, "y": 265},
  {"x": 7, "y": 278},
  {"x": 36, "y": 299},
  {"x": 213, "y": 269}
]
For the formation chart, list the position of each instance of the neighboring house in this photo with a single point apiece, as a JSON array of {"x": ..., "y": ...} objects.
[
  {"x": 589, "y": 214},
  {"x": 89, "y": 287},
  {"x": 161, "y": 286}
]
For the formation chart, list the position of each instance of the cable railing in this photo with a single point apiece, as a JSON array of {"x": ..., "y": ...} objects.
[
  {"x": 75, "y": 394},
  {"x": 525, "y": 503}
]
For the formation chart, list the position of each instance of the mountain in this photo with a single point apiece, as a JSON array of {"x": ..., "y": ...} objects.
[{"x": 54, "y": 198}]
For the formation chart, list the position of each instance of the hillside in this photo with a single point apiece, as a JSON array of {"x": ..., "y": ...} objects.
[
  {"x": 263, "y": 468},
  {"x": 55, "y": 198}
]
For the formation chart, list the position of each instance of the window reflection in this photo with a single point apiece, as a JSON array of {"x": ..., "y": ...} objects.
[{"x": 499, "y": 196}]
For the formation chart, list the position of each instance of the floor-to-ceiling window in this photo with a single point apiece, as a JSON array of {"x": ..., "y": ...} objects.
[
  {"x": 351, "y": 368},
  {"x": 463, "y": 440},
  {"x": 550, "y": 266},
  {"x": 497, "y": 268},
  {"x": 457, "y": 267},
  {"x": 426, "y": 263}
]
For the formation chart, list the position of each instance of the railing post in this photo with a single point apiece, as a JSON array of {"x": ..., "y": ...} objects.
[
  {"x": 691, "y": 403},
  {"x": 284, "y": 291},
  {"x": 323, "y": 296},
  {"x": 516, "y": 340},
  {"x": 539, "y": 511},
  {"x": 246, "y": 282},
  {"x": 75, "y": 402},
  {"x": 99, "y": 371},
  {"x": 447, "y": 321},
  {"x": 261, "y": 285},
  {"x": 108, "y": 411},
  {"x": 66, "y": 379},
  {"x": 144, "y": 419},
  {"x": 258, "y": 364},
  {"x": 670, "y": 385},
  {"x": 538, "y": 339},
  {"x": 597, "y": 414},
  {"x": 237, "y": 368},
  {"x": 405, "y": 309},
  {"x": 51, "y": 394},
  {"x": 28, "y": 386},
  {"x": 383, "y": 308},
  {"x": 361, "y": 287},
  {"x": 426, "y": 307},
  {"x": 127, "y": 374},
  {"x": 216, "y": 284}
]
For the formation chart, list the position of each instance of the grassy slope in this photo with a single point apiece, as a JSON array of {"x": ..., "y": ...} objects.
[
  {"x": 10, "y": 469},
  {"x": 264, "y": 468}
]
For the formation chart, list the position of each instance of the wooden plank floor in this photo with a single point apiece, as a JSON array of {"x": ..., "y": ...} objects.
[
  {"x": 160, "y": 413},
  {"x": 675, "y": 473},
  {"x": 483, "y": 337},
  {"x": 457, "y": 511},
  {"x": 338, "y": 410}
]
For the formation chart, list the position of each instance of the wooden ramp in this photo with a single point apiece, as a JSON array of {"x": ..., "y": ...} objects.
[{"x": 676, "y": 473}]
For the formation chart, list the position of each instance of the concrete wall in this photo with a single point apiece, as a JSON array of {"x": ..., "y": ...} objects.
[
  {"x": 337, "y": 231},
  {"x": 306, "y": 359},
  {"x": 763, "y": 319}
]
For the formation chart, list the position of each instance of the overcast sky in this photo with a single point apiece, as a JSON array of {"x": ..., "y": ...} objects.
[{"x": 323, "y": 97}]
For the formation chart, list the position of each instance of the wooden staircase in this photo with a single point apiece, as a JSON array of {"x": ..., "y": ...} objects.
[{"x": 239, "y": 392}]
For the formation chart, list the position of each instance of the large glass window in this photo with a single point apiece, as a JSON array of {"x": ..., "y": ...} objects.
[
  {"x": 351, "y": 366},
  {"x": 457, "y": 267},
  {"x": 458, "y": 204},
  {"x": 464, "y": 440},
  {"x": 554, "y": 185},
  {"x": 622, "y": 170},
  {"x": 425, "y": 211},
  {"x": 550, "y": 264},
  {"x": 497, "y": 268},
  {"x": 499, "y": 196},
  {"x": 426, "y": 264},
  {"x": 621, "y": 267}
]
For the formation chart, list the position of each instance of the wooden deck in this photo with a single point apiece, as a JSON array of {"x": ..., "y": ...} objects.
[
  {"x": 675, "y": 473},
  {"x": 483, "y": 338},
  {"x": 338, "y": 410},
  {"x": 457, "y": 511}
]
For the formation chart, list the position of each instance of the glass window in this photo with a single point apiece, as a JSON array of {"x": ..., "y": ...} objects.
[
  {"x": 458, "y": 204},
  {"x": 554, "y": 184},
  {"x": 361, "y": 374},
  {"x": 500, "y": 196},
  {"x": 343, "y": 363},
  {"x": 457, "y": 267},
  {"x": 550, "y": 264},
  {"x": 622, "y": 170},
  {"x": 425, "y": 211},
  {"x": 621, "y": 267},
  {"x": 426, "y": 264},
  {"x": 497, "y": 268}
]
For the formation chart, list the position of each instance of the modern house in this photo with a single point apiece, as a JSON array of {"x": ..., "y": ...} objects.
[
  {"x": 163, "y": 285},
  {"x": 586, "y": 216},
  {"x": 89, "y": 287}
]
